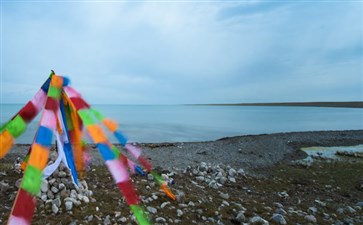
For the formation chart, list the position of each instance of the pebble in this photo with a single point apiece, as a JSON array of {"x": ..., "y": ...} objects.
[
  {"x": 150, "y": 177},
  {"x": 57, "y": 202},
  {"x": 85, "y": 199},
  {"x": 62, "y": 174},
  {"x": 340, "y": 210},
  {"x": 179, "y": 212},
  {"x": 350, "y": 209},
  {"x": 69, "y": 205},
  {"x": 180, "y": 196},
  {"x": 18, "y": 182},
  {"x": 54, "y": 190},
  {"x": 3, "y": 187},
  {"x": 160, "y": 220},
  {"x": 200, "y": 178},
  {"x": 310, "y": 218},
  {"x": 258, "y": 220},
  {"x": 55, "y": 209},
  {"x": 283, "y": 194},
  {"x": 164, "y": 204},
  {"x": 152, "y": 210},
  {"x": 240, "y": 216},
  {"x": 45, "y": 186},
  {"x": 359, "y": 204},
  {"x": 281, "y": 211},
  {"x": 224, "y": 195},
  {"x": 61, "y": 186},
  {"x": 107, "y": 220},
  {"x": 222, "y": 180},
  {"x": 191, "y": 204},
  {"x": 90, "y": 218},
  {"x": 232, "y": 172},
  {"x": 320, "y": 203},
  {"x": 278, "y": 205},
  {"x": 278, "y": 218},
  {"x": 225, "y": 203},
  {"x": 312, "y": 210}
]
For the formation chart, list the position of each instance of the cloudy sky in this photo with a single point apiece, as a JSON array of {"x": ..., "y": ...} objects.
[{"x": 175, "y": 52}]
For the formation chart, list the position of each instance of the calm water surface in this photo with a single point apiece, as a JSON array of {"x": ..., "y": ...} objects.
[{"x": 170, "y": 123}]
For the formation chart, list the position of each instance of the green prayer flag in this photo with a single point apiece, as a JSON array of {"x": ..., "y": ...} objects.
[
  {"x": 97, "y": 114},
  {"x": 86, "y": 116},
  {"x": 32, "y": 180},
  {"x": 139, "y": 214},
  {"x": 54, "y": 92},
  {"x": 116, "y": 151},
  {"x": 157, "y": 177},
  {"x": 16, "y": 126}
]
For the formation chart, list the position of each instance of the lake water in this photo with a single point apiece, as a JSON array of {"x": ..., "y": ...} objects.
[
  {"x": 171, "y": 123},
  {"x": 330, "y": 152}
]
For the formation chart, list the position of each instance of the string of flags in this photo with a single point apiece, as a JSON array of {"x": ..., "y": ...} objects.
[{"x": 66, "y": 116}]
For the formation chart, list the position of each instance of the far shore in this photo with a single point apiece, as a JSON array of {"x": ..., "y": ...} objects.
[{"x": 354, "y": 104}]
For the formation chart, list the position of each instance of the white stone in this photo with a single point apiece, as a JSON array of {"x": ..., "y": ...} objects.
[
  {"x": 62, "y": 174},
  {"x": 85, "y": 199},
  {"x": 225, "y": 203},
  {"x": 241, "y": 172},
  {"x": 3, "y": 186},
  {"x": 150, "y": 176},
  {"x": 152, "y": 210},
  {"x": 18, "y": 182},
  {"x": 160, "y": 220},
  {"x": 258, "y": 220},
  {"x": 310, "y": 218},
  {"x": 179, "y": 212},
  {"x": 44, "y": 197},
  {"x": 107, "y": 220},
  {"x": 45, "y": 186},
  {"x": 224, "y": 195},
  {"x": 200, "y": 178},
  {"x": 57, "y": 202},
  {"x": 350, "y": 209},
  {"x": 232, "y": 172},
  {"x": 61, "y": 186},
  {"x": 54, "y": 190},
  {"x": 164, "y": 204},
  {"x": 55, "y": 209},
  {"x": 51, "y": 181},
  {"x": 69, "y": 205},
  {"x": 222, "y": 180},
  {"x": 279, "y": 219},
  {"x": 240, "y": 216},
  {"x": 50, "y": 194}
]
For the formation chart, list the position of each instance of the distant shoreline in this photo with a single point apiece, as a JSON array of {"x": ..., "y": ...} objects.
[
  {"x": 353, "y": 104},
  {"x": 304, "y": 104}
]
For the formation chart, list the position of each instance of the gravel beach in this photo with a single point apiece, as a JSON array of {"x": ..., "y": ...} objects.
[{"x": 248, "y": 152}]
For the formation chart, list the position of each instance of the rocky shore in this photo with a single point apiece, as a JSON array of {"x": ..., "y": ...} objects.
[{"x": 255, "y": 179}]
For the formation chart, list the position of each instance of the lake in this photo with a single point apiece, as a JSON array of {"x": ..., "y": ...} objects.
[{"x": 174, "y": 123}]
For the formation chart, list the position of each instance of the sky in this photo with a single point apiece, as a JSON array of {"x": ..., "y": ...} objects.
[{"x": 184, "y": 52}]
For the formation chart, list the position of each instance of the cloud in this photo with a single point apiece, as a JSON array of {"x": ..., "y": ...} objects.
[{"x": 183, "y": 52}]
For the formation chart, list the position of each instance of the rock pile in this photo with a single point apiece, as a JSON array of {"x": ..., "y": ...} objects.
[
  {"x": 60, "y": 187},
  {"x": 215, "y": 176}
]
